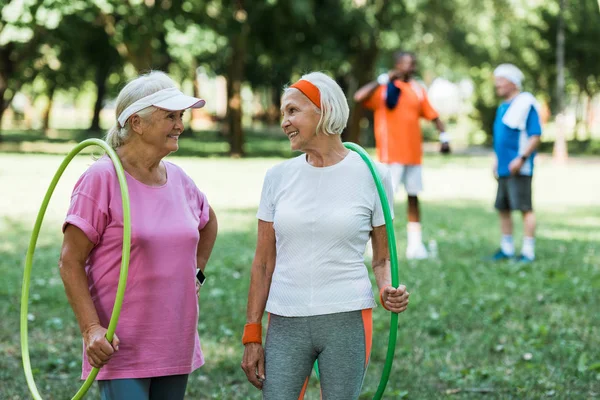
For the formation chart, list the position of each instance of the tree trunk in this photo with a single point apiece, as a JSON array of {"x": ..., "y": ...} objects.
[
  {"x": 363, "y": 71},
  {"x": 48, "y": 109},
  {"x": 100, "y": 81},
  {"x": 589, "y": 115},
  {"x": 560, "y": 144},
  {"x": 275, "y": 107},
  {"x": 196, "y": 112},
  {"x": 4, "y": 103},
  {"x": 3, "y": 87},
  {"x": 2, "y": 109},
  {"x": 1, "y": 115},
  {"x": 234, "y": 92}
]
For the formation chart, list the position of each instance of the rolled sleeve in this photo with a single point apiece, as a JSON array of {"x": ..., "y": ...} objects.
[
  {"x": 88, "y": 215},
  {"x": 203, "y": 210}
]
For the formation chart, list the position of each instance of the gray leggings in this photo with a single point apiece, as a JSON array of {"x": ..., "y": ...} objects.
[
  {"x": 341, "y": 343},
  {"x": 158, "y": 388}
]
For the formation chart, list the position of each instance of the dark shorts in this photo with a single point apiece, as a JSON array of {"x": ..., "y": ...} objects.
[
  {"x": 158, "y": 388},
  {"x": 514, "y": 193}
]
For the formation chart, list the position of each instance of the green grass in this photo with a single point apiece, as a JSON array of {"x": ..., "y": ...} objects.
[{"x": 473, "y": 329}]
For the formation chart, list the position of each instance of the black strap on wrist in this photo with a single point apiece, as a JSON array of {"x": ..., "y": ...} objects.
[{"x": 200, "y": 276}]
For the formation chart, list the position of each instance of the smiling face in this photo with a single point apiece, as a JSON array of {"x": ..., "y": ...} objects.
[
  {"x": 300, "y": 118},
  {"x": 162, "y": 130}
]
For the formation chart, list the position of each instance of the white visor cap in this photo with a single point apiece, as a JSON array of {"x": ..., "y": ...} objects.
[{"x": 171, "y": 99}]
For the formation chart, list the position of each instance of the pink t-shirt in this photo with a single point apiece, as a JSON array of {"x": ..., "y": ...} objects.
[{"x": 159, "y": 318}]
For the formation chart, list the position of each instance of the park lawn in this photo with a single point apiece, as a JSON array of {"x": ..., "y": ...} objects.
[{"x": 473, "y": 328}]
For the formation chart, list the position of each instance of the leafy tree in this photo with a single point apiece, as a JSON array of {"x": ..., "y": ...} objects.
[
  {"x": 21, "y": 35},
  {"x": 76, "y": 61}
]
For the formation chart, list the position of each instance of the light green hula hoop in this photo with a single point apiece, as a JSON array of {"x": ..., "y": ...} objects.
[
  {"x": 29, "y": 260},
  {"x": 389, "y": 225}
]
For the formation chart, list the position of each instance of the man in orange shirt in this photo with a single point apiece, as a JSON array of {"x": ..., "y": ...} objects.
[{"x": 398, "y": 102}]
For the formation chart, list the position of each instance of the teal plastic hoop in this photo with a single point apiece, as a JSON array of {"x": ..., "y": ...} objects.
[
  {"x": 389, "y": 227},
  {"x": 29, "y": 262}
]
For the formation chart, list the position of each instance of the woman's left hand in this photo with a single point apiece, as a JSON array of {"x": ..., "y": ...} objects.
[
  {"x": 198, "y": 288},
  {"x": 396, "y": 300}
]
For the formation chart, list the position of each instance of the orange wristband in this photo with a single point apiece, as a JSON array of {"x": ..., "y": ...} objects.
[
  {"x": 381, "y": 296},
  {"x": 252, "y": 333}
]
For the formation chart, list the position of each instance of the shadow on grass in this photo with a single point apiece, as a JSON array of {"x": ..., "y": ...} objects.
[{"x": 517, "y": 331}]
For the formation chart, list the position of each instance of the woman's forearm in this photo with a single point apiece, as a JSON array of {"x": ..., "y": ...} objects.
[
  {"x": 262, "y": 271},
  {"x": 381, "y": 257},
  {"x": 260, "y": 283},
  {"x": 382, "y": 272},
  {"x": 76, "y": 287}
]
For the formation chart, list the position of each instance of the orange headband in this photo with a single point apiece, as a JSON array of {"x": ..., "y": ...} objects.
[{"x": 309, "y": 90}]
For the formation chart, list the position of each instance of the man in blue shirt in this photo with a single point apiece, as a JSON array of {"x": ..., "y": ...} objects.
[{"x": 517, "y": 133}]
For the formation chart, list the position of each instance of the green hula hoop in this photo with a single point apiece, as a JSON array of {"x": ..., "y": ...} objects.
[
  {"x": 29, "y": 260},
  {"x": 389, "y": 225}
]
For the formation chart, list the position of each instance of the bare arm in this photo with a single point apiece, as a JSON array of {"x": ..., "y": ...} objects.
[
  {"x": 381, "y": 257},
  {"x": 439, "y": 125},
  {"x": 74, "y": 253},
  {"x": 532, "y": 144},
  {"x": 263, "y": 266},
  {"x": 365, "y": 91},
  {"x": 395, "y": 299},
  {"x": 262, "y": 272},
  {"x": 208, "y": 235}
]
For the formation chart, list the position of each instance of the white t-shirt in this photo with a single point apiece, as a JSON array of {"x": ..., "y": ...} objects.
[{"x": 322, "y": 219}]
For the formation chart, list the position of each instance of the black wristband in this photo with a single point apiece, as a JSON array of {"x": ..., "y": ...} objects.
[
  {"x": 200, "y": 276},
  {"x": 523, "y": 157}
]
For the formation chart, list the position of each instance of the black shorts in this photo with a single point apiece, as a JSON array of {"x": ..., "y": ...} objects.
[{"x": 514, "y": 193}]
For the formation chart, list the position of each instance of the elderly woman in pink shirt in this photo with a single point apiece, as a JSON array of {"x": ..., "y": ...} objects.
[{"x": 173, "y": 230}]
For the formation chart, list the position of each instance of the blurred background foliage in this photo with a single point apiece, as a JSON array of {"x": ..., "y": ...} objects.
[{"x": 83, "y": 51}]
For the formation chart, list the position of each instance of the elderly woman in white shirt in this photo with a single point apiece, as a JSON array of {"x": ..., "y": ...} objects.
[{"x": 316, "y": 214}]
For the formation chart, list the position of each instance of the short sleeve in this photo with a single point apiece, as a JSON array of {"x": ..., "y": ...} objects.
[
  {"x": 196, "y": 198},
  {"x": 266, "y": 207},
  {"x": 202, "y": 209},
  {"x": 533, "y": 126},
  {"x": 378, "y": 218},
  {"x": 427, "y": 111},
  {"x": 375, "y": 101},
  {"x": 89, "y": 208}
]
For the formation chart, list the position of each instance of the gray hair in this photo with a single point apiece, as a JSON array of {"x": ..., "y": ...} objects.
[
  {"x": 142, "y": 86},
  {"x": 334, "y": 108}
]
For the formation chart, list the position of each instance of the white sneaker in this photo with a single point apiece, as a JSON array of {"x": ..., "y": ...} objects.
[{"x": 416, "y": 252}]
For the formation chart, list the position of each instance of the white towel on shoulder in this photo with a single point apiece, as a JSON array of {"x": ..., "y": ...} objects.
[{"x": 518, "y": 111}]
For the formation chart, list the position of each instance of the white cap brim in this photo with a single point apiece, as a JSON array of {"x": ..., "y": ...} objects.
[
  {"x": 180, "y": 102},
  {"x": 171, "y": 99}
]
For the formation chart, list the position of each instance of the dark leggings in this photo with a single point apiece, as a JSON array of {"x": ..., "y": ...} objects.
[{"x": 159, "y": 388}]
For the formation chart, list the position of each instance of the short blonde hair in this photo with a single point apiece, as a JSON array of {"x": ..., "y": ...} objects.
[
  {"x": 142, "y": 86},
  {"x": 334, "y": 108}
]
